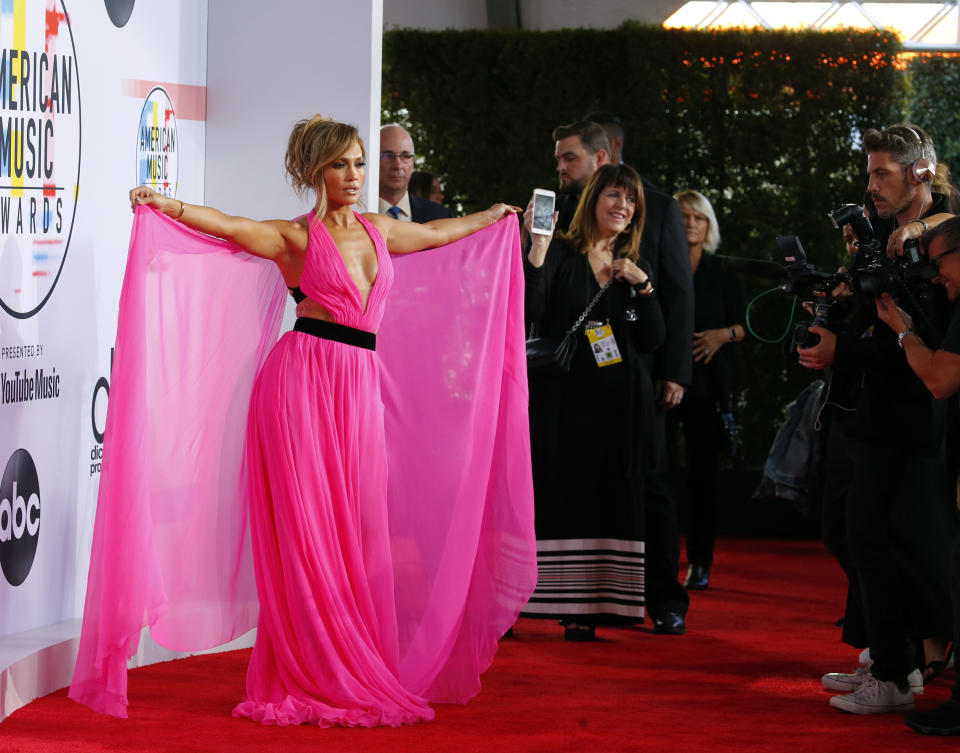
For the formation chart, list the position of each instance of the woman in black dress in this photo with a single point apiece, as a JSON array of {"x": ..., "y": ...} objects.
[
  {"x": 718, "y": 321},
  {"x": 590, "y": 427}
]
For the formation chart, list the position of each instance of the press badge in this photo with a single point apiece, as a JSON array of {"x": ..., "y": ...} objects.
[{"x": 604, "y": 345}]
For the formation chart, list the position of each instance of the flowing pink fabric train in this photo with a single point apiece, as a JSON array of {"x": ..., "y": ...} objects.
[{"x": 362, "y": 619}]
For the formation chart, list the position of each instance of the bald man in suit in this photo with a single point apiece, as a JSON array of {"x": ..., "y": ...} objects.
[{"x": 396, "y": 167}]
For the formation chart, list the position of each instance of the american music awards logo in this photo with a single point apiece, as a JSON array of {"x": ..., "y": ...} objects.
[
  {"x": 39, "y": 150},
  {"x": 157, "y": 144}
]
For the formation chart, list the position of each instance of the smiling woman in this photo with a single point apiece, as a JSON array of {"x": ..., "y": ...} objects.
[{"x": 590, "y": 428}]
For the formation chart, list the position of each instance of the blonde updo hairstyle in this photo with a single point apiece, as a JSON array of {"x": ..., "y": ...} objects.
[{"x": 315, "y": 143}]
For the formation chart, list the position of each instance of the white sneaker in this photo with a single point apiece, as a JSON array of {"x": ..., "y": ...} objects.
[
  {"x": 874, "y": 697},
  {"x": 847, "y": 683}
]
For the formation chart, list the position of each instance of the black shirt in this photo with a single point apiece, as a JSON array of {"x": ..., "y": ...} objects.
[
  {"x": 718, "y": 304},
  {"x": 663, "y": 245},
  {"x": 951, "y": 340}
]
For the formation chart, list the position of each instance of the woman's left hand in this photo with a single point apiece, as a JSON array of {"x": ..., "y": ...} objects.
[
  {"x": 625, "y": 269},
  {"x": 707, "y": 343}
]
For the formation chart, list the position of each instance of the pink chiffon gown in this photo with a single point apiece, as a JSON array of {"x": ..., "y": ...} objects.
[
  {"x": 245, "y": 479},
  {"x": 327, "y": 650}
]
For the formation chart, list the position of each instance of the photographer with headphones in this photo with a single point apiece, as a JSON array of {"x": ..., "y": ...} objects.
[{"x": 896, "y": 521}]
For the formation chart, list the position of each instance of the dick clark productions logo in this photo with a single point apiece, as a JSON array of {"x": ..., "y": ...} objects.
[
  {"x": 39, "y": 151},
  {"x": 19, "y": 517}
]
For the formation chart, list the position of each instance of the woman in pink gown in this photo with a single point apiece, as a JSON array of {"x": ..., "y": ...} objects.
[{"x": 327, "y": 641}]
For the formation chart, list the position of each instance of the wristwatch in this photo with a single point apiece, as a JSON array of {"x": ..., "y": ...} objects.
[{"x": 903, "y": 334}]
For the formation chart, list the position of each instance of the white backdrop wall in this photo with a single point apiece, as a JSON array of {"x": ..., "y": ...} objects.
[
  {"x": 60, "y": 306},
  {"x": 535, "y": 15},
  {"x": 204, "y": 90},
  {"x": 269, "y": 69},
  {"x": 435, "y": 14}
]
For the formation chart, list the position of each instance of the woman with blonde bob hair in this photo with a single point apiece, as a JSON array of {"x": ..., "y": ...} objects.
[
  {"x": 590, "y": 428},
  {"x": 700, "y": 204},
  {"x": 705, "y": 411},
  {"x": 326, "y": 651}
]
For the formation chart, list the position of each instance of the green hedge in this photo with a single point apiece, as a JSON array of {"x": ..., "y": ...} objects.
[
  {"x": 765, "y": 123},
  {"x": 933, "y": 85}
]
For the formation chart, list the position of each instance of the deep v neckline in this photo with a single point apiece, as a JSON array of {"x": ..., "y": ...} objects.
[{"x": 364, "y": 304}]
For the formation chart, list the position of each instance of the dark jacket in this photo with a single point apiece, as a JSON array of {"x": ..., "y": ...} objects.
[
  {"x": 893, "y": 407},
  {"x": 663, "y": 245},
  {"x": 422, "y": 210},
  {"x": 720, "y": 304}
]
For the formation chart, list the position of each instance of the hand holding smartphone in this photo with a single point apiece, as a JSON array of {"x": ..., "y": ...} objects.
[{"x": 543, "y": 203}]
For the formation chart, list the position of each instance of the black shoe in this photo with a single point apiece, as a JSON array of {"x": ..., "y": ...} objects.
[
  {"x": 669, "y": 623},
  {"x": 579, "y": 633},
  {"x": 943, "y": 720},
  {"x": 698, "y": 578}
]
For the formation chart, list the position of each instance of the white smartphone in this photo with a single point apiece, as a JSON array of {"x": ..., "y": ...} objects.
[{"x": 543, "y": 203}]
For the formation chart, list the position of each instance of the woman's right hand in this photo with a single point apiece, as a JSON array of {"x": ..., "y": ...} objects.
[{"x": 143, "y": 195}]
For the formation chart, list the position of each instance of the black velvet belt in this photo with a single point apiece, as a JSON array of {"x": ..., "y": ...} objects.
[{"x": 338, "y": 332}]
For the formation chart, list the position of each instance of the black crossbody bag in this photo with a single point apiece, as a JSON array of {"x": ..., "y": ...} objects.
[{"x": 553, "y": 355}]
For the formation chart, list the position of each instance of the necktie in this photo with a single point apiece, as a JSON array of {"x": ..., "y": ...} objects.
[{"x": 394, "y": 212}]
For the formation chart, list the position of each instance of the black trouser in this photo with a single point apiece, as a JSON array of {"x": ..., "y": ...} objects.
[
  {"x": 955, "y": 594},
  {"x": 896, "y": 519},
  {"x": 838, "y": 471},
  {"x": 663, "y": 592},
  {"x": 702, "y": 435}
]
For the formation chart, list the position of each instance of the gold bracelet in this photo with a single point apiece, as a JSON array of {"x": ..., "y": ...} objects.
[{"x": 181, "y": 210}]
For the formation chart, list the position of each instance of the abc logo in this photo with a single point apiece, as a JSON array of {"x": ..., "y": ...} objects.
[{"x": 19, "y": 517}]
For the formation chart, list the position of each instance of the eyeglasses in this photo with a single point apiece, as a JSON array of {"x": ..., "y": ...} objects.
[
  {"x": 391, "y": 156},
  {"x": 936, "y": 260}
]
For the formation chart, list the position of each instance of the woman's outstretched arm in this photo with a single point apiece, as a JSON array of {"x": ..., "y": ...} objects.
[
  {"x": 269, "y": 239},
  {"x": 405, "y": 237}
]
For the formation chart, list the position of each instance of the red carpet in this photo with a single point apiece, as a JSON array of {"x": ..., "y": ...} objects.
[{"x": 745, "y": 678}]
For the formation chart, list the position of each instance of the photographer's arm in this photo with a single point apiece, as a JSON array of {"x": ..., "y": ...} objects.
[
  {"x": 939, "y": 370},
  {"x": 912, "y": 229}
]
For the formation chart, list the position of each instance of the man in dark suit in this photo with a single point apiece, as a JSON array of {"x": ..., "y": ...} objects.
[
  {"x": 396, "y": 167},
  {"x": 581, "y": 148}
]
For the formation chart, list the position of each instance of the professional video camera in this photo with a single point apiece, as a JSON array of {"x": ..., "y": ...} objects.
[
  {"x": 871, "y": 273},
  {"x": 803, "y": 279}
]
